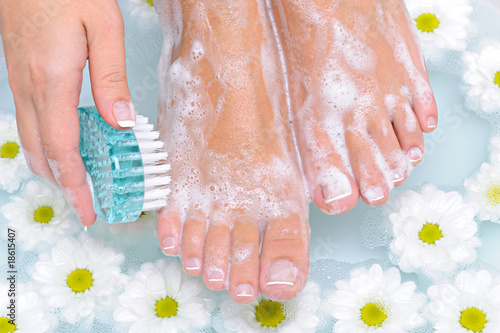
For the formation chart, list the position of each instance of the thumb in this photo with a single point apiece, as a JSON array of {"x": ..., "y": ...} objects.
[{"x": 107, "y": 66}]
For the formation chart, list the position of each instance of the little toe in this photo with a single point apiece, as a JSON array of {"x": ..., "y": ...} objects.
[
  {"x": 244, "y": 271},
  {"x": 409, "y": 134},
  {"x": 393, "y": 161},
  {"x": 169, "y": 231},
  {"x": 216, "y": 257},
  {"x": 193, "y": 243},
  {"x": 424, "y": 106},
  {"x": 284, "y": 258}
]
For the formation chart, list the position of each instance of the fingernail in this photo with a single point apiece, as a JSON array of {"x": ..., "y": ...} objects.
[
  {"x": 336, "y": 193},
  {"x": 415, "y": 154},
  {"x": 244, "y": 290},
  {"x": 124, "y": 113},
  {"x": 281, "y": 272},
  {"x": 85, "y": 228},
  {"x": 193, "y": 264},
  {"x": 215, "y": 275},
  {"x": 431, "y": 122},
  {"x": 374, "y": 194},
  {"x": 168, "y": 243}
]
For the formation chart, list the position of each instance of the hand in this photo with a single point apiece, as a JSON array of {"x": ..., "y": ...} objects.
[{"x": 47, "y": 44}]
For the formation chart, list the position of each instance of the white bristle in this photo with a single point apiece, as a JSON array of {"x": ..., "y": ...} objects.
[
  {"x": 154, "y": 205},
  {"x": 155, "y": 178},
  {"x": 152, "y": 181},
  {"x": 155, "y": 169}
]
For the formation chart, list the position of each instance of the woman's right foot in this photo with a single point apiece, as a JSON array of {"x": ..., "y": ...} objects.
[
  {"x": 360, "y": 96},
  {"x": 236, "y": 185}
]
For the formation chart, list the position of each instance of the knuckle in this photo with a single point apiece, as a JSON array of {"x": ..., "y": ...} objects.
[{"x": 112, "y": 76}]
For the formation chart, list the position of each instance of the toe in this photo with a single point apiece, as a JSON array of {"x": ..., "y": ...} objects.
[
  {"x": 365, "y": 161},
  {"x": 333, "y": 189},
  {"x": 393, "y": 161},
  {"x": 193, "y": 243},
  {"x": 169, "y": 231},
  {"x": 424, "y": 106},
  {"x": 216, "y": 257},
  {"x": 408, "y": 132},
  {"x": 244, "y": 272},
  {"x": 284, "y": 259}
]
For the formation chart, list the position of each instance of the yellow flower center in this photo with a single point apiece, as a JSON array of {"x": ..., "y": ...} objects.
[
  {"x": 373, "y": 314},
  {"x": 493, "y": 194},
  {"x": 269, "y": 313},
  {"x": 497, "y": 78},
  {"x": 9, "y": 150},
  {"x": 6, "y": 326},
  {"x": 427, "y": 22},
  {"x": 473, "y": 319},
  {"x": 166, "y": 307},
  {"x": 151, "y": 3},
  {"x": 430, "y": 233},
  {"x": 44, "y": 214},
  {"x": 80, "y": 280}
]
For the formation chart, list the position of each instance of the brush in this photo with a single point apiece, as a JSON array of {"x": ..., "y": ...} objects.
[{"x": 126, "y": 169}]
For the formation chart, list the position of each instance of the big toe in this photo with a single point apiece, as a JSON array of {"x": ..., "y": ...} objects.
[{"x": 284, "y": 259}]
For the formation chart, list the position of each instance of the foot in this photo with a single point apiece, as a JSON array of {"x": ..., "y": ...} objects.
[
  {"x": 360, "y": 96},
  {"x": 236, "y": 184}
]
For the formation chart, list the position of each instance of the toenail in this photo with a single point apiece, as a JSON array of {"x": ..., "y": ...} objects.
[
  {"x": 244, "y": 290},
  {"x": 168, "y": 243},
  {"x": 337, "y": 194},
  {"x": 431, "y": 122},
  {"x": 374, "y": 194},
  {"x": 415, "y": 154},
  {"x": 215, "y": 275},
  {"x": 397, "y": 177},
  {"x": 193, "y": 264},
  {"x": 281, "y": 272}
]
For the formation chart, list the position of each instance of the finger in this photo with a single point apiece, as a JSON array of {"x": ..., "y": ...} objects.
[
  {"x": 60, "y": 133},
  {"x": 107, "y": 66}
]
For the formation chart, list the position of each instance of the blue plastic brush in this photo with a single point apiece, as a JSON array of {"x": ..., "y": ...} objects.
[{"x": 126, "y": 169}]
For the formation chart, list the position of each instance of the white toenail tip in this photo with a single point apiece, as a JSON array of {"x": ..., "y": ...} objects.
[
  {"x": 342, "y": 196},
  {"x": 169, "y": 247},
  {"x": 280, "y": 282},
  {"x": 398, "y": 179},
  {"x": 244, "y": 295},
  {"x": 192, "y": 268},
  {"x": 215, "y": 280}
]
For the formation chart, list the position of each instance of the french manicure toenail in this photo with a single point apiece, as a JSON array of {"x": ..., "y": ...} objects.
[
  {"x": 193, "y": 264},
  {"x": 215, "y": 275},
  {"x": 244, "y": 290},
  {"x": 415, "y": 154},
  {"x": 431, "y": 122},
  {"x": 398, "y": 177},
  {"x": 331, "y": 196},
  {"x": 374, "y": 194},
  {"x": 124, "y": 113},
  {"x": 281, "y": 272},
  {"x": 168, "y": 243}
]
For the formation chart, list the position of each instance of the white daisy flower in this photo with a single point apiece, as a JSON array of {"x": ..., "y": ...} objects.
[
  {"x": 161, "y": 298},
  {"x": 264, "y": 315},
  {"x": 441, "y": 24},
  {"x": 484, "y": 192},
  {"x": 483, "y": 76},
  {"x": 40, "y": 214},
  {"x": 433, "y": 231},
  {"x": 78, "y": 274},
  {"x": 29, "y": 314},
  {"x": 13, "y": 167},
  {"x": 376, "y": 301},
  {"x": 471, "y": 304},
  {"x": 143, "y": 9},
  {"x": 147, "y": 223}
]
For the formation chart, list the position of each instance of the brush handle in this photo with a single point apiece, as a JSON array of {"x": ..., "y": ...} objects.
[{"x": 114, "y": 164}]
